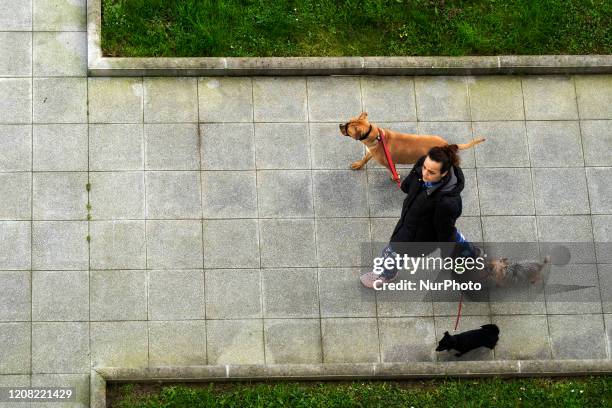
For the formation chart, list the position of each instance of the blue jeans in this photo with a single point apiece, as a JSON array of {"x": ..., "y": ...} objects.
[{"x": 465, "y": 250}]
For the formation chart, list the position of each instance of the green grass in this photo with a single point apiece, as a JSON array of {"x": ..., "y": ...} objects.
[
  {"x": 189, "y": 28},
  {"x": 537, "y": 393}
]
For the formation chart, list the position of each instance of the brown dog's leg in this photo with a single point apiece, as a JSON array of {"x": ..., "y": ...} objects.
[{"x": 360, "y": 163}]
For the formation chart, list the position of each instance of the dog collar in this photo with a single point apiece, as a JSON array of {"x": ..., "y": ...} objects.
[{"x": 367, "y": 134}]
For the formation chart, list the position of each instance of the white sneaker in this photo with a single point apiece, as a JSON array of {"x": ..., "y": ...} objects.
[{"x": 368, "y": 279}]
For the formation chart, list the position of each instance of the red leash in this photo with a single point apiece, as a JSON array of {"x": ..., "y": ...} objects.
[
  {"x": 459, "y": 311},
  {"x": 381, "y": 137}
]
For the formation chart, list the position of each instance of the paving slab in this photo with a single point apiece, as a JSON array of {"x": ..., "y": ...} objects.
[
  {"x": 17, "y": 154},
  {"x": 225, "y": 99},
  {"x": 174, "y": 243},
  {"x": 513, "y": 197},
  {"x": 173, "y": 194},
  {"x": 406, "y": 303},
  {"x": 16, "y": 51},
  {"x": 608, "y": 324},
  {"x": 59, "y": 245},
  {"x": 119, "y": 344},
  {"x": 59, "y": 54},
  {"x": 575, "y": 300},
  {"x": 442, "y": 98},
  {"x": 59, "y": 100},
  {"x": 15, "y": 100},
  {"x": 16, "y": 295},
  {"x": 573, "y": 232},
  {"x": 59, "y": 15},
  {"x": 116, "y": 147},
  {"x": 15, "y": 196},
  {"x": 127, "y": 289},
  {"x": 117, "y": 195},
  {"x": 554, "y": 144},
  {"x": 278, "y": 99},
  {"x": 577, "y": 336},
  {"x": 284, "y": 193},
  {"x": 235, "y": 341},
  {"x": 60, "y": 347},
  {"x": 233, "y": 293},
  {"x": 59, "y": 196},
  {"x": 16, "y": 380},
  {"x": 384, "y": 198},
  {"x": 60, "y": 295},
  {"x": 60, "y": 147},
  {"x": 340, "y": 193},
  {"x": 560, "y": 191},
  {"x": 505, "y": 145},
  {"x": 389, "y": 99},
  {"x": 80, "y": 382},
  {"x": 16, "y": 352},
  {"x": 231, "y": 243},
  {"x": 115, "y": 100},
  {"x": 182, "y": 107},
  {"x": 227, "y": 146},
  {"x": 470, "y": 227},
  {"x": 15, "y": 253},
  {"x": 406, "y": 339},
  {"x": 177, "y": 344},
  {"x": 522, "y": 337},
  {"x": 549, "y": 98},
  {"x": 514, "y": 237},
  {"x": 229, "y": 194},
  {"x": 604, "y": 272},
  {"x": 600, "y": 189},
  {"x": 333, "y": 99},
  {"x": 343, "y": 242},
  {"x": 293, "y": 341},
  {"x": 350, "y": 340},
  {"x": 519, "y": 300},
  {"x": 176, "y": 295},
  {"x": 15, "y": 15},
  {"x": 496, "y": 98},
  {"x": 290, "y": 293},
  {"x": 602, "y": 234},
  {"x": 172, "y": 147},
  {"x": 356, "y": 301},
  {"x": 469, "y": 195},
  {"x": 596, "y": 142},
  {"x": 278, "y": 243},
  {"x": 594, "y": 94},
  {"x": 282, "y": 146}
]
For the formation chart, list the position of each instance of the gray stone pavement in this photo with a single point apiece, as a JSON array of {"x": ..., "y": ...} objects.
[{"x": 225, "y": 226}]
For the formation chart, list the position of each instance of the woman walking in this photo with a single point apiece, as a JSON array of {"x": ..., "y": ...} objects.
[{"x": 430, "y": 210}]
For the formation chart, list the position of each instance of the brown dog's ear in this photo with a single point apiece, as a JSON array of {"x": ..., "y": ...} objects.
[{"x": 363, "y": 115}]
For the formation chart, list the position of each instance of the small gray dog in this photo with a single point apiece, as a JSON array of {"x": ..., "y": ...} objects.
[{"x": 503, "y": 273}]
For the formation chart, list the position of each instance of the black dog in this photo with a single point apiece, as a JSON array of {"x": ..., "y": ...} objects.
[{"x": 486, "y": 336}]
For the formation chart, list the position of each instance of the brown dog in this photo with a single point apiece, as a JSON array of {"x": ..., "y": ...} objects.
[
  {"x": 404, "y": 148},
  {"x": 502, "y": 272}
]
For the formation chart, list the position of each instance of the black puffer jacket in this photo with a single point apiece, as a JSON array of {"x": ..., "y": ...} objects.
[{"x": 428, "y": 216}]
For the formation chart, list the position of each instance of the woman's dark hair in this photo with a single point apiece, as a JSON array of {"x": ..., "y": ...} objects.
[{"x": 447, "y": 155}]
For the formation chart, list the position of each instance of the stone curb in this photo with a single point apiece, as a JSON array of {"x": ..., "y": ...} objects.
[
  {"x": 98, "y": 65},
  {"x": 347, "y": 371}
]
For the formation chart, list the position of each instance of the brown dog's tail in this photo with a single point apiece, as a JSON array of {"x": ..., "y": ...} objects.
[{"x": 471, "y": 143}]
